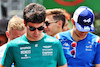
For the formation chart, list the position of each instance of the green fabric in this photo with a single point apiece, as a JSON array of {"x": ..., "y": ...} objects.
[
  {"x": 71, "y": 5},
  {"x": 46, "y": 52}
]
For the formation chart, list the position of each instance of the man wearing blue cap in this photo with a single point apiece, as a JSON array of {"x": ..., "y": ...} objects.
[{"x": 81, "y": 47}]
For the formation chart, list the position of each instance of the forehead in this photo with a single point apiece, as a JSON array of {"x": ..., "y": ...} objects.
[{"x": 35, "y": 24}]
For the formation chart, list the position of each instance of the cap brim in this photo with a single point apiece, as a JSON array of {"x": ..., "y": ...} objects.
[{"x": 85, "y": 28}]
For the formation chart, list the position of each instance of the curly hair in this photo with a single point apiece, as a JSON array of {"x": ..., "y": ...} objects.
[{"x": 34, "y": 13}]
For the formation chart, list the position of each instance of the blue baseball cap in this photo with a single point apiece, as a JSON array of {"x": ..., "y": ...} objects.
[{"x": 83, "y": 18}]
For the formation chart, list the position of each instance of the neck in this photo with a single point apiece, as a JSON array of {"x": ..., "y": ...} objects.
[
  {"x": 75, "y": 36},
  {"x": 59, "y": 30}
]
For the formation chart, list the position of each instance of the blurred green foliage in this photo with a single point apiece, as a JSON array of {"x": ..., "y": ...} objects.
[
  {"x": 97, "y": 27},
  {"x": 70, "y": 24}
]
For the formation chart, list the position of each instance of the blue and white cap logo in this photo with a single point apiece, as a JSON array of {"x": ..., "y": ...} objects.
[
  {"x": 88, "y": 20},
  {"x": 84, "y": 17}
]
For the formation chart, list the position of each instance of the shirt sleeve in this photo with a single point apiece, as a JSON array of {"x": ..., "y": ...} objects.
[
  {"x": 97, "y": 56},
  {"x": 7, "y": 59},
  {"x": 61, "y": 57}
]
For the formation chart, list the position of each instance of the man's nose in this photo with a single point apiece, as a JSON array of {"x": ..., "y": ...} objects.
[{"x": 36, "y": 31}]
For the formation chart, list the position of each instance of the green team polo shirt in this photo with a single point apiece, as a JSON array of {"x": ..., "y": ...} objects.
[{"x": 46, "y": 52}]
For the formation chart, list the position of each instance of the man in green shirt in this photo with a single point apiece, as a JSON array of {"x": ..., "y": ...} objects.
[{"x": 34, "y": 48}]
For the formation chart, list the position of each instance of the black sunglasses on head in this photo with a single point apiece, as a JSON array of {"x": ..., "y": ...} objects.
[{"x": 31, "y": 28}]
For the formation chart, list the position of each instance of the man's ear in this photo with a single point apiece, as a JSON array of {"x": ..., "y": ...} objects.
[
  {"x": 72, "y": 21},
  {"x": 24, "y": 23},
  {"x": 7, "y": 34},
  {"x": 60, "y": 23}
]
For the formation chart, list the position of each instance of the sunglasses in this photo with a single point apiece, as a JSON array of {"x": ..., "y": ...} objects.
[
  {"x": 31, "y": 28},
  {"x": 73, "y": 51},
  {"x": 49, "y": 22}
]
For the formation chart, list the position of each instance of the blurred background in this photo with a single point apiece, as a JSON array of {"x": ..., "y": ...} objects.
[{"x": 8, "y": 8}]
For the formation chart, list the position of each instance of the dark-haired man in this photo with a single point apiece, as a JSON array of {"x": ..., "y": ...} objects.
[{"x": 34, "y": 48}]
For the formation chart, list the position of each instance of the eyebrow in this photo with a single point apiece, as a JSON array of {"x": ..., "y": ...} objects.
[{"x": 37, "y": 27}]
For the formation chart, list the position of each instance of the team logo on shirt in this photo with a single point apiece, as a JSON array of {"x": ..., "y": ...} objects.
[
  {"x": 89, "y": 47},
  {"x": 25, "y": 51},
  {"x": 47, "y": 46},
  {"x": 66, "y": 46},
  {"x": 47, "y": 51}
]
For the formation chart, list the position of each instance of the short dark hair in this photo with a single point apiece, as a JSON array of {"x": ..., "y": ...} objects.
[
  {"x": 34, "y": 13},
  {"x": 3, "y": 25},
  {"x": 58, "y": 14}
]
